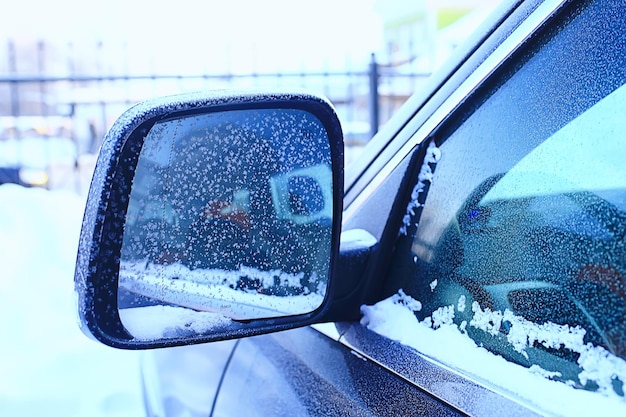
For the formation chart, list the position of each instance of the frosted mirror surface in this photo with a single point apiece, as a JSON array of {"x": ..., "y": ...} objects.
[{"x": 229, "y": 218}]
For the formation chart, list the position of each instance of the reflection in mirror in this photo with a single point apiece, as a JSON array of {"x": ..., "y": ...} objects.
[{"x": 229, "y": 218}]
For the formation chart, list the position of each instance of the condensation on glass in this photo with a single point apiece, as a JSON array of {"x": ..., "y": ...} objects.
[{"x": 229, "y": 218}]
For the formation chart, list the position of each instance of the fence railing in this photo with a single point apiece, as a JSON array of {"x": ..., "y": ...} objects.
[{"x": 81, "y": 107}]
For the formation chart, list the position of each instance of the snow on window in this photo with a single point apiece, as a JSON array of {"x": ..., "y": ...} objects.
[
  {"x": 157, "y": 322},
  {"x": 438, "y": 337},
  {"x": 487, "y": 321},
  {"x": 425, "y": 177}
]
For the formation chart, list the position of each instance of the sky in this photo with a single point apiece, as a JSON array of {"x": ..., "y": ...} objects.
[{"x": 246, "y": 33}]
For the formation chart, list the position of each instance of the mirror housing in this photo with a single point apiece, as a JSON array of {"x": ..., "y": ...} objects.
[{"x": 100, "y": 254}]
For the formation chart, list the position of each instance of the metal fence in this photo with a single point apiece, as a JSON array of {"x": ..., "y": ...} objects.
[{"x": 82, "y": 102}]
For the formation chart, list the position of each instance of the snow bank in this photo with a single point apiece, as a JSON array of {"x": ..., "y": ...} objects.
[{"x": 49, "y": 367}]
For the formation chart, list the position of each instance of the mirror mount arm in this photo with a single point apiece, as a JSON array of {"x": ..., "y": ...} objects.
[{"x": 354, "y": 253}]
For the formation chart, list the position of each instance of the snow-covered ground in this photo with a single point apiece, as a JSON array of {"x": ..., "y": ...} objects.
[{"x": 47, "y": 366}]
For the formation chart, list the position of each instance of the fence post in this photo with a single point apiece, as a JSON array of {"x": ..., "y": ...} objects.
[
  {"x": 15, "y": 92},
  {"x": 41, "y": 72},
  {"x": 374, "y": 97}
]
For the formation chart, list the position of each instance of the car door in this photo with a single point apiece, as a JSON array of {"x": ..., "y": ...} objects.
[
  {"x": 304, "y": 372},
  {"x": 504, "y": 265}
]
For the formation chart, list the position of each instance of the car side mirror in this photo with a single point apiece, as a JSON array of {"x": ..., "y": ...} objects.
[{"x": 211, "y": 216}]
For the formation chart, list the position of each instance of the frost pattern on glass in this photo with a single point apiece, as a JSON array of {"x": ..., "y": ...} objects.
[
  {"x": 425, "y": 177},
  {"x": 231, "y": 213}
]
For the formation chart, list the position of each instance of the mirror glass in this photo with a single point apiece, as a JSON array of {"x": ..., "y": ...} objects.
[{"x": 229, "y": 218}]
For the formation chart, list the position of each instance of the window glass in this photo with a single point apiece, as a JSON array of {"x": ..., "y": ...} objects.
[
  {"x": 511, "y": 258},
  {"x": 229, "y": 218}
]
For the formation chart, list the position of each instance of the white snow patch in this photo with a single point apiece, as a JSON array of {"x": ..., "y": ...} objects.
[
  {"x": 460, "y": 306},
  {"x": 441, "y": 340},
  {"x": 425, "y": 176},
  {"x": 407, "y": 301},
  {"x": 463, "y": 326},
  {"x": 443, "y": 316},
  {"x": 487, "y": 321},
  {"x": 156, "y": 322},
  {"x": 536, "y": 369},
  {"x": 50, "y": 367}
]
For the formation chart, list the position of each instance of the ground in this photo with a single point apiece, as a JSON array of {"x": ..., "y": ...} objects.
[{"x": 48, "y": 366}]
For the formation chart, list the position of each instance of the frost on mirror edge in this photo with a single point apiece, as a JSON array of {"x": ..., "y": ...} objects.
[{"x": 229, "y": 218}]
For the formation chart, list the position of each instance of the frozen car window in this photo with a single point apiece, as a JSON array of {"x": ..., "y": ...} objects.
[{"x": 520, "y": 246}]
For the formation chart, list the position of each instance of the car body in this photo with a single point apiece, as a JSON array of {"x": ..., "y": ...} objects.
[{"x": 489, "y": 277}]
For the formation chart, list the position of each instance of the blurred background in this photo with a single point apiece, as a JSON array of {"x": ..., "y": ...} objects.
[{"x": 69, "y": 68}]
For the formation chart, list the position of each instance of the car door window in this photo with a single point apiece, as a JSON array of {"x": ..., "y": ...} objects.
[{"x": 511, "y": 256}]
